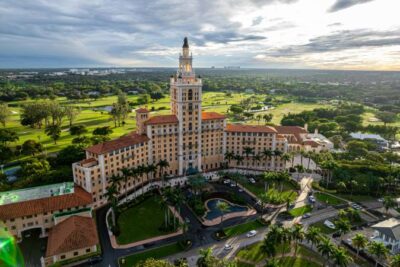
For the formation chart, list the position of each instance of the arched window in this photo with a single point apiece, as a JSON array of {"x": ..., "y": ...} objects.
[{"x": 190, "y": 94}]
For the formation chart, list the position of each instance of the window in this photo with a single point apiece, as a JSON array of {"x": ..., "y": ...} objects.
[
  {"x": 62, "y": 257},
  {"x": 190, "y": 94},
  {"x": 76, "y": 253}
]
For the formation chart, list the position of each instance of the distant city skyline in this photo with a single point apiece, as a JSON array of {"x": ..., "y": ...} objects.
[{"x": 323, "y": 34}]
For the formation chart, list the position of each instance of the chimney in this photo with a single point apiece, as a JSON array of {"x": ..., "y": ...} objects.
[
  {"x": 306, "y": 127},
  {"x": 316, "y": 131}
]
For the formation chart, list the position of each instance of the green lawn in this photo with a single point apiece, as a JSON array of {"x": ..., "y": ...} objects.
[
  {"x": 324, "y": 229},
  {"x": 141, "y": 221},
  {"x": 356, "y": 198},
  {"x": 242, "y": 228},
  {"x": 328, "y": 199},
  {"x": 305, "y": 257},
  {"x": 252, "y": 253},
  {"x": 156, "y": 253},
  {"x": 300, "y": 211}
]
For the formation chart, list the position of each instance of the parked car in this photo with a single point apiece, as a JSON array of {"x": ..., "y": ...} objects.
[
  {"x": 311, "y": 199},
  {"x": 227, "y": 247},
  {"x": 251, "y": 233},
  {"x": 355, "y": 206},
  {"x": 187, "y": 220},
  {"x": 251, "y": 180},
  {"x": 329, "y": 224},
  {"x": 240, "y": 189},
  {"x": 227, "y": 181},
  {"x": 306, "y": 215},
  {"x": 233, "y": 184}
]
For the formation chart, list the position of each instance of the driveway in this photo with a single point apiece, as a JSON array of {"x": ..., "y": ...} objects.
[{"x": 32, "y": 247}]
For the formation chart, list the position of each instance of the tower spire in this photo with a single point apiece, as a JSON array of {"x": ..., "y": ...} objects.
[{"x": 185, "y": 43}]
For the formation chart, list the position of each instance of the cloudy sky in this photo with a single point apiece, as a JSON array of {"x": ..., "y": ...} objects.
[{"x": 330, "y": 34}]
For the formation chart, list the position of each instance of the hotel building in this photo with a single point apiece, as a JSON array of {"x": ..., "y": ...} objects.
[{"x": 191, "y": 140}]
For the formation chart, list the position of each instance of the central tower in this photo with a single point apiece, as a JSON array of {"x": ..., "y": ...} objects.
[{"x": 185, "y": 90}]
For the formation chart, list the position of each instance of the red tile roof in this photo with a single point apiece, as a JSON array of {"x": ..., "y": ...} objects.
[
  {"x": 48, "y": 204},
  {"x": 294, "y": 131},
  {"x": 290, "y": 129},
  {"x": 74, "y": 233},
  {"x": 142, "y": 110},
  {"x": 212, "y": 116},
  {"x": 86, "y": 161},
  {"x": 118, "y": 143},
  {"x": 249, "y": 128},
  {"x": 161, "y": 119}
]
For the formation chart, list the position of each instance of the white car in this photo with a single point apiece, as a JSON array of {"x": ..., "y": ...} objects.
[
  {"x": 329, "y": 224},
  {"x": 233, "y": 184},
  {"x": 227, "y": 181},
  {"x": 227, "y": 247},
  {"x": 251, "y": 180},
  {"x": 251, "y": 233},
  {"x": 311, "y": 199}
]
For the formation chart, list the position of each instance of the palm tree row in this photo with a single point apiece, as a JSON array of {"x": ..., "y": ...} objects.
[
  {"x": 291, "y": 237},
  {"x": 135, "y": 174},
  {"x": 377, "y": 249},
  {"x": 249, "y": 155}
]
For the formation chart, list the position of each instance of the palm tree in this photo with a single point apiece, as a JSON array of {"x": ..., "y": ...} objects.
[
  {"x": 359, "y": 241},
  {"x": 286, "y": 157},
  {"x": 388, "y": 203},
  {"x": 257, "y": 158},
  {"x": 268, "y": 177},
  {"x": 282, "y": 177},
  {"x": 326, "y": 248},
  {"x": 302, "y": 155},
  {"x": 379, "y": 250},
  {"x": 164, "y": 206},
  {"x": 329, "y": 166},
  {"x": 343, "y": 226},
  {"x": 276, "y": 153},
  {"x": 313, "y": 235},
  {"x": 268, "y": 247},
  {"x": 267, "y": 154},
  {"x": 264, "y": 199},
  {"x": 141, "y": 169},
  {"x": 151, "y": 169},
  {"x": 111, "y": 196},
  {"x": 278, "y": 236},
  {"x": 298, "y": 235},
  {"x": 116, "y": 180},
  {"x": 223, "y": 207},
  {"x": 239, "y": 159},
  {"x": 126, "y": 174},
  {"x": 229, "y": 156},
  {"x": 341, "y": 258},
  {"x": 299, "y": 169},
  {"x": 248, "y": 151},
  {"x": 162, "y": 165},
  {"x": 205, "y": 256},
  {"x": 395, "y": 262}
]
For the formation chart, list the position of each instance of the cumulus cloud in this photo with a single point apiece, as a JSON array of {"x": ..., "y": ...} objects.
[{"x": 343, "y": 4}]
